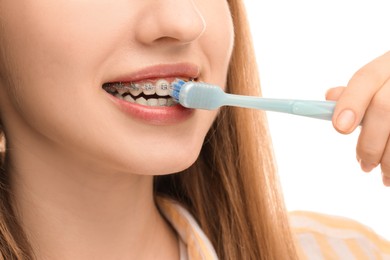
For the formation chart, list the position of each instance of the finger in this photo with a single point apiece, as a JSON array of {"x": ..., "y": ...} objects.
[
  {"x": 355, "y": 99},
  {"x": 375, "y": 130},
  {"x": 334, "y": 93},
  {"x": 386, "y": 181},
  {"x": 385, "y": 165}
]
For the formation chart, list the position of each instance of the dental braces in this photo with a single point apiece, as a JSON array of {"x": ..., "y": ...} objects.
[{"x": 145, "y": 86}]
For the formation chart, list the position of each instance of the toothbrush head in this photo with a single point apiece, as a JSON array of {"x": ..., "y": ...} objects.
[
  {"x": 175, "y": 89},
  {"x": 197, "y": 94}
]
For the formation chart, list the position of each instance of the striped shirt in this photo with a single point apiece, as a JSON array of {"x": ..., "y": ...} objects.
[
  {"x": 321, "y": 236},
  {"x": 194, "y": 244},
  {"x": 318, "y": 236}
]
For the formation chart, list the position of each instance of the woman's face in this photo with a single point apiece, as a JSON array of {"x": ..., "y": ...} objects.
[{"x": 57, "y": 55}]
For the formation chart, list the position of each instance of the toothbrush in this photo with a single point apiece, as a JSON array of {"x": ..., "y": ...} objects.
[{"x": 206, "y": 96}]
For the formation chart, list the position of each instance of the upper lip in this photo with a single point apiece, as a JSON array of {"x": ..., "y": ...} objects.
[{"x": 177, "y": 70}]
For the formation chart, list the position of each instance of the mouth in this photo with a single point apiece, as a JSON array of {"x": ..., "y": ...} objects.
[{"x": 151, "y": 92}]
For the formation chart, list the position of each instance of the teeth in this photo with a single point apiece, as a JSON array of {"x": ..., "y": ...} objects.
[
  {"x": 135, "y": 89},
  {"x": 170, "y": 102},
  {"x": 162, "y": 87},
  {"x": 131, "y": 92},
  {"x": 141, "y": 101},
  {"x": 152, "y": 102},
  {"x": 129, "y": 98},
  {"x": 162, "y": 101},
  {"x": 149, "y": 89},
  {"x": 122, "y": 90}
]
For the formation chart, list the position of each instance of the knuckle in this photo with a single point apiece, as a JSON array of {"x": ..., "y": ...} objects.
[{"x": 366, "y": 73}]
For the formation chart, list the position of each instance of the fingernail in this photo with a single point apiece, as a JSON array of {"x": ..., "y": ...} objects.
[
  {"x": 345, "y": 120},
  {"x": 367, "y": 167}
]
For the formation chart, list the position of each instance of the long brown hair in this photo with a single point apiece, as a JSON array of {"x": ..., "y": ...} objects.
[{"x": 232, "y": 189}]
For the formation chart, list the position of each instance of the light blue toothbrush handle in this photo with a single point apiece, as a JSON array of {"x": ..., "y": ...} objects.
[{"x": 315, "y": 109}]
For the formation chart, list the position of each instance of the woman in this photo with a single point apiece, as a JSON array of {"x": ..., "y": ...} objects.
[{"x": 89, "y": 175}]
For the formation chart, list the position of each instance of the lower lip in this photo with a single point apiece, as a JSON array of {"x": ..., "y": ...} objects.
[{"x": 154, "y": 115}]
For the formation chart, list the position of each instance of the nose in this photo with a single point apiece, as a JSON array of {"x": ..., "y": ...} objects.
[{"x": 169, "y": 20}]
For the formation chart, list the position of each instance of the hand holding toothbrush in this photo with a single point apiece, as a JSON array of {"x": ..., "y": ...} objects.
[{"x": 367, "y": 95}]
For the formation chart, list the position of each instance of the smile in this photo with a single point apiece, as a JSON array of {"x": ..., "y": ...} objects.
[{"x": 148, "y": 93}]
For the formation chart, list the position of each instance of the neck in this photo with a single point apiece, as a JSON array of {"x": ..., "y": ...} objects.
[{"x": 71, "y": 210}]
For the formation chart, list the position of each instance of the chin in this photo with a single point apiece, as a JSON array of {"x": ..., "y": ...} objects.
[
  {"x": 174, "y": 164},
  {"x": 167, "y": 161},
  {"x": 149, "y": 150}
]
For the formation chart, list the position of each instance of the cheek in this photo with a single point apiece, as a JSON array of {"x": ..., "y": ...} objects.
[
  {"x": 61, "y": 38},
  {"x": 218, "y": 39},
  {"x": 51, "y": 56}
]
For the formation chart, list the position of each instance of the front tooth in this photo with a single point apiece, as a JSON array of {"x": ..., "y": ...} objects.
[
  {"x": 162, "y": 87},
  {"x": 135, "y": 89},
  {"x": 149, "y": 89},
  {"x": 152, "y": 102},
  {"x": 141, "y": 101}
]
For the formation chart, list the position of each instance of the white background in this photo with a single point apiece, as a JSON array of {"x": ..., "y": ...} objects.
[{"x": 304, "y": 47}]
